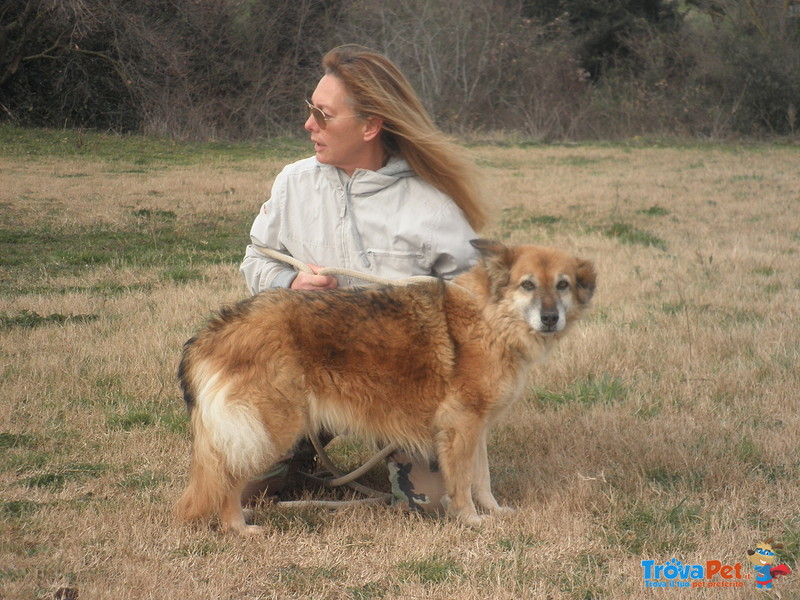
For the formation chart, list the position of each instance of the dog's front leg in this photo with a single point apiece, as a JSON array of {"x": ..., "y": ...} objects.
[
  {"x": 456, "y": 452},
  {"x": 481, "y": 482}
]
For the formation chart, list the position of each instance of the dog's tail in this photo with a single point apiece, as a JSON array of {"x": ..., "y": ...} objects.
[
  {"x": 230, "y": 444},
  {"x": 184, "y": 376}
]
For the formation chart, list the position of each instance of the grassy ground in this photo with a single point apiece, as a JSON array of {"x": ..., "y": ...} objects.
[{"x": 665, "y": 428}]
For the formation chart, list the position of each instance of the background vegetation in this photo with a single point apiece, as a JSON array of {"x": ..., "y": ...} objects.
[
  {"x": 665, "y": 427},
  {"x": 543, "y": 69}
]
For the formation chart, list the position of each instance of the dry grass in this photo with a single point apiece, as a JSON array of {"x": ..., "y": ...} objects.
[{"x": 666, "y": 427}]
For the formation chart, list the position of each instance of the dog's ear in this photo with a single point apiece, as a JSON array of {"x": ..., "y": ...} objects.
[
  {"x": 497, "y": 261},
  {"x": 586, "y": 279},
  {"x": 488, "y": 248}
]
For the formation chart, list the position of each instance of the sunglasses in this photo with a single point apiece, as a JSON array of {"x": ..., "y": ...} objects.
[{"x": 321, "y": 118}]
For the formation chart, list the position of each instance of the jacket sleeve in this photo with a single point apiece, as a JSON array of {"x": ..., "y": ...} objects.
[
  {"x": 261, "y": 272},
  {"x": 452, "y": 254}
]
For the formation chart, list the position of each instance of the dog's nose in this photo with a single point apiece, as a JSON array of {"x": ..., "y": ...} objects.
[{"x": 549, "y": 318}]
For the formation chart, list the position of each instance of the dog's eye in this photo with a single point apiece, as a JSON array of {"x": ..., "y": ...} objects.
[
  {"x": 528, "y": 285},
  {"x": 562, "y": 285}
]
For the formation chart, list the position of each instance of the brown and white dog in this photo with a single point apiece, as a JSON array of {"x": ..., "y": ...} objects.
[{"x": 428, "y": 366}]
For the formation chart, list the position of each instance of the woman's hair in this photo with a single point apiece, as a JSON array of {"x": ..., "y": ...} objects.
[{"x": 377, "y": 87}]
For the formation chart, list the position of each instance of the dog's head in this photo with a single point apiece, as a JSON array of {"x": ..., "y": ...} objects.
[{"x": 546, "y": 287}]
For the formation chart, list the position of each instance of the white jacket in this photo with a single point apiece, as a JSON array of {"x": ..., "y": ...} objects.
[{"x": 389, "y": 223}]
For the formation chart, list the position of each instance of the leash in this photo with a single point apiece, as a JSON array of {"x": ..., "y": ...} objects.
[
  {"x": 301, "y": 266},
  {"x": 338, "y": 477}
]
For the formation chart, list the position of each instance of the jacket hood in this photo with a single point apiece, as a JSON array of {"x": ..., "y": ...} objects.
[
  {"x": 396, "y": 167},
  {"x": 364, "y": 182}
]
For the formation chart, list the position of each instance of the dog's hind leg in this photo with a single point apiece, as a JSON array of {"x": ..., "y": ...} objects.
[
  {"x": 232, "y": 516},
  {"x": 231, "y": 444},
  {"x": 481, "y": 482}
]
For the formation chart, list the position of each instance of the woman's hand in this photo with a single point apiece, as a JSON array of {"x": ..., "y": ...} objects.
[{"x": 307, "y": 281}]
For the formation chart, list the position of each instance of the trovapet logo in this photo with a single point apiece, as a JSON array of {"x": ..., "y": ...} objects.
[
  {"x": 712, "y": 573},
  {"x": 717, "y": 574}
]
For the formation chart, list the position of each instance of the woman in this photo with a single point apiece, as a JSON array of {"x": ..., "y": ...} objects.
[{"x": 385, "y": 193}]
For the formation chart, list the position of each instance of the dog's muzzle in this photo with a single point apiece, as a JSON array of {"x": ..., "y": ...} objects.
[{"x": 549, "y": 320}]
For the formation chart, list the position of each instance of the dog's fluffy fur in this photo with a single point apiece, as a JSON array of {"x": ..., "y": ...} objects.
[{"x": 428, "y": 366}]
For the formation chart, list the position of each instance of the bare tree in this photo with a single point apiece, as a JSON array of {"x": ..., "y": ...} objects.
[{"x": 479, "y": 64}]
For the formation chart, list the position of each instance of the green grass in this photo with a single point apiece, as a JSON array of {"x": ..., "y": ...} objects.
[
  {"x": 306, "y": 578},
  {"x": 691, "y": 479},
  {"x": 654, "y": 528},
  {"x": 435, "y": 569},
  {"x": 127, "y": 414},
  {"x": 28, "y": 319},
  {"x": 132, "y": 418},
  {"x": 518, "y": 543},
  {"x": 581, "y": 161},
  {"x": 294, "y": 522},
  {"x": 56, "y": 479},
  {"x": 654, "y": 211},
  {"x": 21, "y": 453},
  {"x": 520, "y": 219},
  {"x": 16, "y": 509},
  {"x": 159, "y": 241},
  {"x": 369, "y": 591},
  {"x": 143, "y": 481},
  {"x": 604, "y": 390},
  {"x": 628, "y": 234},
  {"x": 790, "y": 553},
  {"x": 748, "y": 177},
  {"x": 580, "y": 574},
  {"x": 765, "y": 271},
  {"x": 20, "y": 461},
  {"x": 140, "y": 153},
  {"x": 202, "y": 548},
  {"x": 16, "y": 440},
  {"x": 673, "y": 308}
]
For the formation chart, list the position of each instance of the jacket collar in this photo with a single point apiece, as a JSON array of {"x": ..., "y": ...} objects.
[{"x": 365, "y": 182}]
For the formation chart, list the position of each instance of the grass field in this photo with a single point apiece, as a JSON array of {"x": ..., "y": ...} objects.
[{"x": 666, "y": 427}]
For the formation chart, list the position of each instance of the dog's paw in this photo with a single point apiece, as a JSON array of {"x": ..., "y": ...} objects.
[
  {"x": 253, "y": 530},
  {"x": 466, "y": 516},
  {"x": 474, "y": 520},
  {"x": 242, "y": 529},
  {"x": 248, "y": 530},
  {"x": 504, "y": 511}
]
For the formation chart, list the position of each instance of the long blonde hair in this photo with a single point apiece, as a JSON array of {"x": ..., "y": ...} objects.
[{"x": 377, "y": 88}]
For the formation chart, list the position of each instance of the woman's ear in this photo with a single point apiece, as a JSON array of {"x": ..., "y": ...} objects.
[{"x": 372, "y": 128}]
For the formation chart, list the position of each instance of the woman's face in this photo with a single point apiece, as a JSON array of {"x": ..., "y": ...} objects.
[{"x": 346, "y": 141}]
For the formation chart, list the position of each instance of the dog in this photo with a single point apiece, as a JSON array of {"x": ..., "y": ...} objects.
[{"x": 428, "y": 366}]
